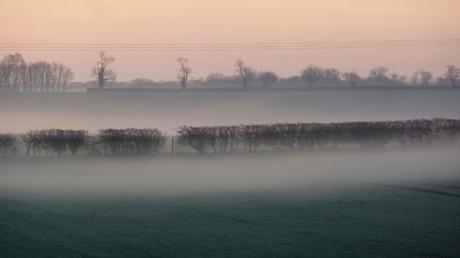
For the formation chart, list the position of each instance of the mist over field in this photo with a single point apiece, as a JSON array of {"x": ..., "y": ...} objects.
[
  {"x": 305, "y": 172},
  {"x": 338, "y": 202},
  {"x": 168, "y": 111},
  {"x": 230, "y": 128}
]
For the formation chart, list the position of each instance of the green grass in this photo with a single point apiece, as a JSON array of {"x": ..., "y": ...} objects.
[{"x": 360, "y": 221}]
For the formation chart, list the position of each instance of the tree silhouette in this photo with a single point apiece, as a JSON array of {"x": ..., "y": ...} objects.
[
  {"x": 101, "y": 71},
  {"x": 183, "y": 75},
  {"x": 244, "y": 73},
  {"x": 452, "y": 74}
]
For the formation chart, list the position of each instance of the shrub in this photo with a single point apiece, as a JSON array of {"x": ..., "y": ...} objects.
[
  {"x": 130, "y": 141},
  {"x": 7, "y": 144},
  {"x": 55, "y": 141}
]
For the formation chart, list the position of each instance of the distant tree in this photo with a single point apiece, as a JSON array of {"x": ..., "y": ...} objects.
[
  {"x": 442, "y": 81},
  {"x": 425, "y": 77},
  {"x": 268, "y": 78},
  {"x": 39, "y": 76},
  {"x": 452, "y": 74},
  {"x": 67, "y": 76},
  {"x": 312, "y": 74},
  {"x": 101, "y": 71},
  {"x": 220, "y": 79},
  {"x": 7, "y": 144},
  {"x": 16, "y": 74},
  {"x": 352, "y": 78},
  {"x": 215, "y": 77},
  {"x": 12, "y": 72},
  {"x": 32, "y": 74},
  {"x": 142, "y": 83},
  {"x": 331, "y": 74},
  {"x": 183, "y": 75},
  {"x": 292, "y": 80},
  {"x": 379, "y": 74},
  {"x": 61, "y": 76},
  {"x": 244, "y": 73},
  {"x": 397, "y": 79},
  {"x": 415, "y": 78},
  {"x": 421, "y": 77}
]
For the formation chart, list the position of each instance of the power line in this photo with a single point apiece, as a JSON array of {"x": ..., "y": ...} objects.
[{"x": 229, "y": 46}]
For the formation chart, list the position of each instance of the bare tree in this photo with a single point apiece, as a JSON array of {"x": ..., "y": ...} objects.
[
  {"x": 16, "y": 74},
  {"x": 61, "y": 76},
  {"x": 421, "y": 77},
  {"x": 183, "y": 75},
  {"x": 425, "y": 77},
  {"x": 415, "y": 78},
  {"x": 268, "y": 78},
  {"x": 66, "y": 75},
  {"x": 32, "y": 83},
  {"x": 398, "y": 79},
  {"x": 331, "y": 74},
  {"x": 244, "y": 73},
  {"x": 40, "y": 76},
  {"x": 312, "y": 74},
  {"x": 352, "y": 78},
  {"x": 101, "y": 71},
  {"x": 56, "y": 76},
  {"x": 379, "y": 74},
  {"x": 142, "y": 83},
  {"x": 215, "y": 77},
  {"x": 452, "y": 74},
  {"x": 12, "y": 72}
]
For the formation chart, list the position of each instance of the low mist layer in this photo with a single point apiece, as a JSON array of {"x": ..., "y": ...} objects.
[
  {"x": 168, "y": 111},
  {"x": 304, "y": 171}
]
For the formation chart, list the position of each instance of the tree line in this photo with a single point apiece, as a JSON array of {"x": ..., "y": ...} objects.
[
  {"x": 40, "y": 76},
  {"x": 309, "y": 76},
  {"x": 235, "y": 138},
  {"x": 16, "y": 74},
  {"x": 315, "y": 75}
]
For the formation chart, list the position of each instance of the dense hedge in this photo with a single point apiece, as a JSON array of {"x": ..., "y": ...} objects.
[
  {"x": 290, "y": 136},
  {"x": 7, "y": 144},
  {"x": 107, "y": 142},
  {"x": 57, "y": 141},
  {"x": 250, "y": 138},
  {"x": 129, "y": 141}
]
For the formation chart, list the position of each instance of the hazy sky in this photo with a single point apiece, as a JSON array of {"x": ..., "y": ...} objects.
[{"x": 236, "y": 21}]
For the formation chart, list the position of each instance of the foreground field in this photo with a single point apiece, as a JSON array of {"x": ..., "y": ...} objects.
[
  {"x": 365, "y": 221},
  {"x": 338, "y": 204}
]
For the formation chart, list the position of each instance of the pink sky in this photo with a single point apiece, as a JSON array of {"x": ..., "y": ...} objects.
[{"x": 236, "y": 21}]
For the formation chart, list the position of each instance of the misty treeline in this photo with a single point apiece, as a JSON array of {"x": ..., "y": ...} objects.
[
  {"x": 311, "y": 76},
  {"x": 237, "y": 138},
  {"x": 327, "y": 76},
  {"x": 18, "y": 75}
]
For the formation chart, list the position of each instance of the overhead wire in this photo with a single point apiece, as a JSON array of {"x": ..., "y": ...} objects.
[{"x": 226, "y": 46}]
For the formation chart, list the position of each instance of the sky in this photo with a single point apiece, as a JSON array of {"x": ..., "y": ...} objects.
[{"x": 202, "y": 22}]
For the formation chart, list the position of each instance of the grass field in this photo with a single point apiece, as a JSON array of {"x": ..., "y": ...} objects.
[
  {"x": 396, "y": 204},
  {"x": 366, "y": 221}
]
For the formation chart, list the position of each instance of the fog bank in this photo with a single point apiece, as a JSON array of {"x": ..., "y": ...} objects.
[
  {"x": 169, "y": 110},
  {"x": 305, "y": 171}
]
